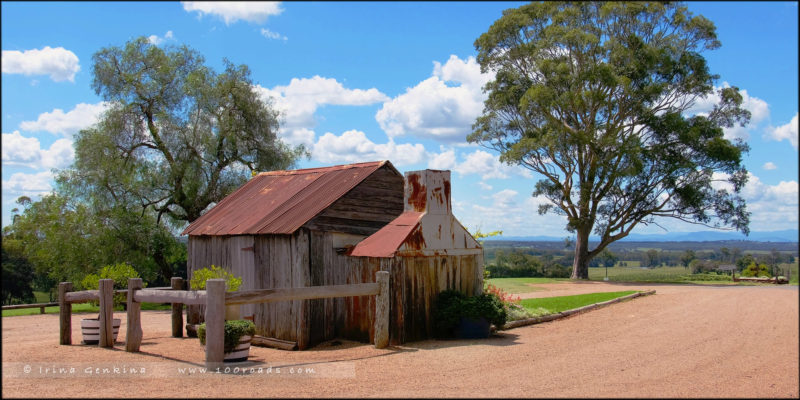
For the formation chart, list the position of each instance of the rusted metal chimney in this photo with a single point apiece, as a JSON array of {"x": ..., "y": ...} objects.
[
  {"x": 427, "y": 226},
  {"x": 428, "y": 191}
]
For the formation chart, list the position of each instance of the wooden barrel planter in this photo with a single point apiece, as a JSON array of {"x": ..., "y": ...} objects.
[
  {"x": 90, "y": 328},
  {"x": 240, "y": 352}
]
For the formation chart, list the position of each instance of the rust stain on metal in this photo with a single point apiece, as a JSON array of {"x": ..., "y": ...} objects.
[
  {"x": 247, "y": 248},
  {"x": 415, "y": 240},
  {"x": 437, "y": 193},
  {"x": 281, "y": 201},
  {"x": 447, "y": 188},
  {"x": 418, "y": 197}
]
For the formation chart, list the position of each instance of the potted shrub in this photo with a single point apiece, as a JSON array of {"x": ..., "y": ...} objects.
[
  {"x": 119, "y": 273},
  {"x": 467, "y": 317},
  {"x": 238, "y": 334},
  {"x": 232, "y": 284}
]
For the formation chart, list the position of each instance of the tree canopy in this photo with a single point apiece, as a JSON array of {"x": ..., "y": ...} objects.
[
  {"x": 597, "y": 98},
  {"x": 177, "y": 136}
]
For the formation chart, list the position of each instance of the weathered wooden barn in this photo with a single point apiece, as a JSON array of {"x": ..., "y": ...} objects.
[{"x": 340, "y": 225}]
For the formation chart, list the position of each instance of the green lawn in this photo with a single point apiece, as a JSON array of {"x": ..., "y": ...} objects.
[
  {"x": 80, "y": 308},
  {"x": 552, "y": 305},
  {"x": 521, "y": 285}
]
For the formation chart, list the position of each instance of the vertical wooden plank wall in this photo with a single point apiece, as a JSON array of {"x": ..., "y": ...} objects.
[{"x": 300, "y": 278}]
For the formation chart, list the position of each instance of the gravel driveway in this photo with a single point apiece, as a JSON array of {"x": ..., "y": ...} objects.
[{"x": 684, "y": 341}]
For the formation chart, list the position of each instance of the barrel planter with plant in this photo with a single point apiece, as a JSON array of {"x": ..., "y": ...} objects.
[
  {"x": 238, "y": 334},
  {"x": 119, "y": 273},
  {"x": 457, "y": 315},
  {"x": 90, "y": 328}
]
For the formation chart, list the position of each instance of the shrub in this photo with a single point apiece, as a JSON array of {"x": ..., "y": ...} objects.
[
  {"x": 756, "y": 270},
  {"x": 234, "y": 330},
  {"x": 199, "y": 278},
  {"x": 119, "y": 273},
  {"x": 514, "y": 310},
  {"x": 452, "y": 305}
]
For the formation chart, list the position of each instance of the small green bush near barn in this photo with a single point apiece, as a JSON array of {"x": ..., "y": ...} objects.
[
  {"x": 199, "y": 278},
  {"x": 452, "y": 305}
]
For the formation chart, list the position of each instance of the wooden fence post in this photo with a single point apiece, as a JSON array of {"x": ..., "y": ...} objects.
[
  {"x": 177, "y": 308},
  {"x": 382, "y": 310},
  {"x": 133, "y": 337},
  {"x": 106, "y": 294},
  {"x": 215, "y": 322},
  {"x": 65, "y": 313}
]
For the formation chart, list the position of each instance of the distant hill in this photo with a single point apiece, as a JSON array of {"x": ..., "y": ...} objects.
[{"x": 789, "y": 235}]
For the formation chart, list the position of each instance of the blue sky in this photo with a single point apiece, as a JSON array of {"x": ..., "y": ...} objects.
[{"x": 368, "y": 81}]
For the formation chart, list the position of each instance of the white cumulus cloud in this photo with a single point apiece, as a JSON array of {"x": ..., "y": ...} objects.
[
  {"x": 26, "y": 151},
  {"x": 232, "y": 11},
  {"x": 442, "y": 107},
  {"x": 300, "y": 99},
  {"x": 272, "y": 35},
  {"x": 59, "y": 63},
  {"x": 769, "y": 166},
  {"x": 354, "y": 146},
  {"x": 154, "y": 39},
  {"x": 515, "y": 218},
  {"x": 785, "y": 132},
  {"x": 66, "y": 123},
  {"x": 21, "y": 184},
  {"x": 479, "y": 162}
]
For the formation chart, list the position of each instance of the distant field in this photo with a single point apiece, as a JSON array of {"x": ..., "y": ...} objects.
[
  {"x": 793, "y": 269},
  {"x": 637, "y": 274}
]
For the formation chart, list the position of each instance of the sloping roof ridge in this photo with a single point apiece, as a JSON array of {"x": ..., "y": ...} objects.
[
  {"x": 324, "y": 169},
  {"x": 262, "y": 224}
]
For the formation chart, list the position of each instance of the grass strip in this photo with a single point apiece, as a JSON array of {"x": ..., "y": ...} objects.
[
  {"x": 81, "y": 308},
  {"x": 551, "y": 305}
]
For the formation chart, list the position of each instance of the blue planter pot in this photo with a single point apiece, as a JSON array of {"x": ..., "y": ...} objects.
[{"x": 469, "y": 328}]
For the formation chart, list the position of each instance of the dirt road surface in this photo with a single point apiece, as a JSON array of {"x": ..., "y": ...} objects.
[{"x": 684, "y": 341}]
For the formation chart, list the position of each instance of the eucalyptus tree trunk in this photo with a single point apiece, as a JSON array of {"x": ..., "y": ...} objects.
[{"x": 580, "y": 264}]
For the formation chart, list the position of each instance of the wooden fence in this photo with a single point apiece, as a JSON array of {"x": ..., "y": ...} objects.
[
  {"x": 215, "y": 298},
  {"x": 40, "y": 306},
  {"x": 105, "y": 296}
]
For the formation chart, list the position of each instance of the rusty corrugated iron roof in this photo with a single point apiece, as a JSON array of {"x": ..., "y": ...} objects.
[
  {"x": 386, "y": 241},
  {"x": 280, "y": 202}
]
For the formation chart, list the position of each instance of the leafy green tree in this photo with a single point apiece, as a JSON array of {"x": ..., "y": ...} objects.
[
  {"x": 743, "y": 262},
  {"x": 65, "y": 239},
  {"x": 177, "y": 137},
  {"x": 607, "y": 258},
  {"x": 594, "y": 97},
  {"x": 687, "y": 257},
  {"x": 17, "y": 274},
  {"x": 653, "y": 259}
]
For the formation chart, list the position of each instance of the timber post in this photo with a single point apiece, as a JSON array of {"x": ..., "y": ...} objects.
[
  {"x": 106, "y": 294},
  {"x": 215, "y": 322},
  {"x": 133, "y": 337},
  {"x": 177, "y": 308},
  {"x": 65, "y": 313},
  {"x": 382, "y": 310}
]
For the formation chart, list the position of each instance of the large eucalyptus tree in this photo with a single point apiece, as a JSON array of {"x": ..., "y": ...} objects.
[{"x": 597, "y": 98}]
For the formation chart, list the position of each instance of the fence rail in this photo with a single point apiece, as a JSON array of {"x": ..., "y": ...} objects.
[
  {"x": 215, "y": 299},
  {"x": 40, "y": 306}
]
